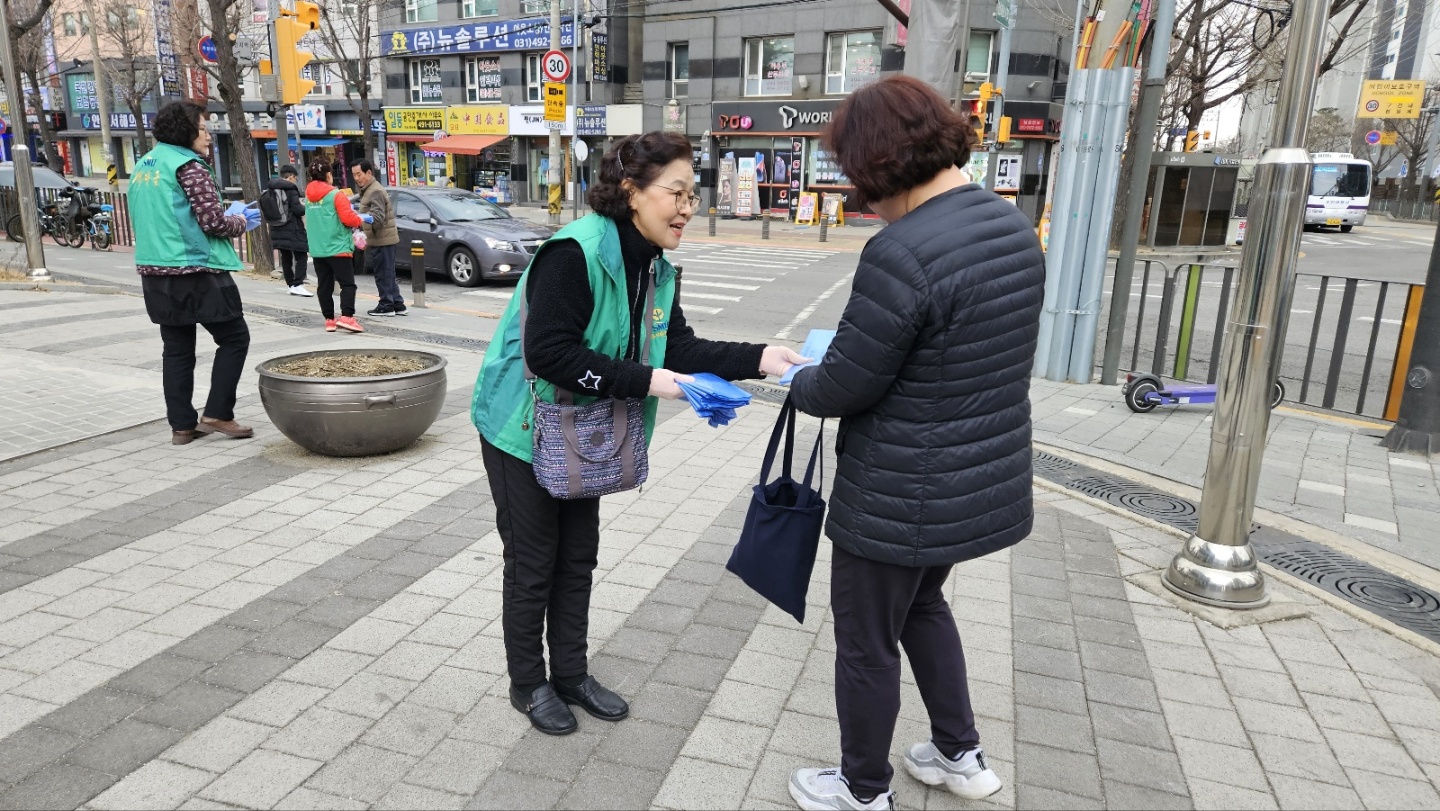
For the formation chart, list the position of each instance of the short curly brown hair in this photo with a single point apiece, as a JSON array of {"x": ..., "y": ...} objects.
[
  {"x": 639, "y": 159},
  {"x": 895, "y": 134},
  {"x": 319, "y": 169}
]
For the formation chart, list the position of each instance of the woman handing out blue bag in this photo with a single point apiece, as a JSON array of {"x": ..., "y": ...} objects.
[{"x": 566, "y": 402}]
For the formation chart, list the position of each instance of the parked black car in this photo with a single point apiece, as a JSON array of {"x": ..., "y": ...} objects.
[{"x": 466, "y": 237}]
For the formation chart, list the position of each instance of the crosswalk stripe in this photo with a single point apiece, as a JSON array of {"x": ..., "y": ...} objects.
[
  {"x": 745, "y": 263},
  {"x": 723, "y": 285},
  {"x": 697, "y": 308},
  {"x": 730, "y": 276},
  {"x": 495, "y": 294},
  {"x": 688, "y": 295}
]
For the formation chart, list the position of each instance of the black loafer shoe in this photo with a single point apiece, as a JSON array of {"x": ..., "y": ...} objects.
[
  {"x": 595, "y": 699},
  {"x": 546, "y": 711}
]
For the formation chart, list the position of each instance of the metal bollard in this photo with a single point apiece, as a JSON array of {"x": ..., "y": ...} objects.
[
  {"x": 824, "y": 227},
  {"x": 712, "y": 221},
  {"x": 765, "y": 225},
  {"x": 417, "y": 272}
]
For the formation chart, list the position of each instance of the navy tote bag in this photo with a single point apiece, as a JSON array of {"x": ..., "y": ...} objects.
[{"x": 776, "y": 551}]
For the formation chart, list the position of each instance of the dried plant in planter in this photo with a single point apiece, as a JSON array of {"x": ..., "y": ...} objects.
[{"x": 360, "y": 364}]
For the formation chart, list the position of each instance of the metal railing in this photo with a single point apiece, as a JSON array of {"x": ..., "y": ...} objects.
[
  {"x": 1423, "y": 210},
  {"x": 1180, "y": 322},
  {"x": 122, "y": 227}
]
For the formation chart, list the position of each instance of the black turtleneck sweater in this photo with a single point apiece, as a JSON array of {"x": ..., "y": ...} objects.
[{"x": 561, "y": 304}]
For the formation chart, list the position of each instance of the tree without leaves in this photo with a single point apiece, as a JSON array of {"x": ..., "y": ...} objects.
[
  {"x": 225, "y": 17},
  {"x": 133, "y": 73},
  {"x": 347, "y": 29},
  {"x": 28, "y": 45},
  {"x": 1329, "y": 131}
]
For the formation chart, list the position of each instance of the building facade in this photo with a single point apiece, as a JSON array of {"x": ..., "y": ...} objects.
[
  {"x": 464, "y": 93},
  {"x": 753, "y": 92}
]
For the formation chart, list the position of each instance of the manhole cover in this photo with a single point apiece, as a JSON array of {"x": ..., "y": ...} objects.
[{"x": 1377, "y": 591}]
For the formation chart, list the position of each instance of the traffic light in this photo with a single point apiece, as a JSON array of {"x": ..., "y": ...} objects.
[
  {"x": 1003, "y": 134},
  {"x": 1192, "y": 140},
  {"x": 982, "y": 107},
  {"x": 290, "y": 26}
]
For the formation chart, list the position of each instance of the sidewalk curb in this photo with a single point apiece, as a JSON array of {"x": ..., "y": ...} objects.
[
  {"x": 66, "y": 287},
  {"x": 1369, "y": 554}
]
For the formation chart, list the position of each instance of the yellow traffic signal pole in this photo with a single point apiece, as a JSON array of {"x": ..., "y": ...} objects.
[
  {"x": 287, "y": 60},
  {"x": 282, "y": 135}
]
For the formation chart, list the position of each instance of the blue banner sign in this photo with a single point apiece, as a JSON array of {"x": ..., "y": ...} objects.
[{"x": 508, "y": 35}]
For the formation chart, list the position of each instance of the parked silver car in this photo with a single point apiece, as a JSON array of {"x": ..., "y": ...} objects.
[{"x": 466, "y": 237}]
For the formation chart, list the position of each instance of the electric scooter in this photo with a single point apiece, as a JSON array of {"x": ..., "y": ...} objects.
[{"x": 1143, "y": 392}]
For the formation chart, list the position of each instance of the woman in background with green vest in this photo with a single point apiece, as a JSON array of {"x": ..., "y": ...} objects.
[
  {"x": 328, "y": 220},
  {"x": 586, "y": 291},
  {"x": 184, "y": 256}
]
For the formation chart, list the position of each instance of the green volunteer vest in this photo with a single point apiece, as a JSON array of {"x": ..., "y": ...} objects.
[
  {"x": 501, "y": 408},
  {"x": 324, "y": 232},
  {"x": 169, "y": 235}
]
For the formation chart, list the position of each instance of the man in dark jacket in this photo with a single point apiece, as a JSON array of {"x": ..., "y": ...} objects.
[
  {"x": 284, "y": 213},
  {"x": 382, "y": 236},
  {"x": 929, "y": 374}
]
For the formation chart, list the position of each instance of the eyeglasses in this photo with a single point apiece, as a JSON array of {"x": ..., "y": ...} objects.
[{"x": 681, "y": 197}]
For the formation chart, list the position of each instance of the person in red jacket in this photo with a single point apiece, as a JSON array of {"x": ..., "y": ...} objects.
[{"x": 328, "y": 223}]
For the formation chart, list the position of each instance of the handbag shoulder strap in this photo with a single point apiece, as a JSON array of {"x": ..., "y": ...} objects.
[
  {"x": 785, "y": 420},
  {"x": 563, "y": 395},
  {"x": 815, "y": 456}
]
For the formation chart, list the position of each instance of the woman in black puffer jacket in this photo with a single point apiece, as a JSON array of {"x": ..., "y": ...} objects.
[{"x": 930, "y": 375}]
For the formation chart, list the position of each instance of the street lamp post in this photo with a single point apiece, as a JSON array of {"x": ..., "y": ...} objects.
[
  {"x": 1218, "y": 565},
  {"x": 24, "y": 173}
]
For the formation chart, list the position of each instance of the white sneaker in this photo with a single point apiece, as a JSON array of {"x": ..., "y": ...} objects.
[
  {"x": 967, "y": 777},
  {"x": 826, "y": 790},
  {"x": 299, "y": 290}
]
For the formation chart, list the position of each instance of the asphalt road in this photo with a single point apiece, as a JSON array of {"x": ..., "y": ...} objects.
[{"x": 758, "y": 291}]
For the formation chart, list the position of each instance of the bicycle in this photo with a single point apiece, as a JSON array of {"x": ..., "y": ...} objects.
[
  {"x": 60, "y": 228},
  {"x": 98, "y": 227}
]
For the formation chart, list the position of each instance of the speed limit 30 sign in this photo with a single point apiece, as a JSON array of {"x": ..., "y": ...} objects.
[{"x": 556, "y": 66}]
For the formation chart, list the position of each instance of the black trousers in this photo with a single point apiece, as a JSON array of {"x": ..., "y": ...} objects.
[
  {"x": 232, "y": 343},
  {"x": 328, "y": 271},
  {"x": 292, "y": 264},
  {"x": 878, "y": 607},
  {"x": 551, "y": 548}
]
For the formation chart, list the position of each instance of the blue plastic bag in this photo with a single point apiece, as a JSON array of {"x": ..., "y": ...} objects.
[{"x": 714, "y": 399}]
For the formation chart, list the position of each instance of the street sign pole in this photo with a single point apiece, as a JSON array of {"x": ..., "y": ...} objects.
[
  {"x": 282, "y": 132},
  {"x": 1217, "y": 565},
  {"x": 1005, "y": 14},
  {"x": 575, "y": 100},
  {"x": 102, "y": 93},
  {"x": 553, "y": 176},
  {"x": 24, "y": 173}
]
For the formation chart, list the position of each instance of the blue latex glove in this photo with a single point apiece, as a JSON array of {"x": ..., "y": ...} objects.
[
  {"x": 368, "y": 219},
  {"x": 252, "y": 219},
  {"x": 236, "y": 209}
]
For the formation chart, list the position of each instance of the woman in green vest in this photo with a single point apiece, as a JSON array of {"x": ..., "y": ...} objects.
[
  {"x": 329, "y": 218},
  {"x": 586, "y": 292},
  {"x": 184, "y": 256}
]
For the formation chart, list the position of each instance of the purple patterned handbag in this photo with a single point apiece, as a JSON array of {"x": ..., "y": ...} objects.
[{"x": 593, "y": 450}]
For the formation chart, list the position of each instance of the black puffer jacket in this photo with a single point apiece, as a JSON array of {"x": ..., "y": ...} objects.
[
  {"x": 291, "y": 235},
  {"x": 930, "y": 372}
]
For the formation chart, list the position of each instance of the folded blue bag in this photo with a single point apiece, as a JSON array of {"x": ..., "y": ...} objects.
[{"x": 714, "y": 398}]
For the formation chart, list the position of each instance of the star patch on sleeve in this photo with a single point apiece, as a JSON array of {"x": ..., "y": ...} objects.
[{"x": 590, "y": 381}]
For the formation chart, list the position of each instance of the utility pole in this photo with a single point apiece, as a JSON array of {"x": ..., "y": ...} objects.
[
  {"x": 102, "y": 89},
  {"x": 1417, "y": 428},
  {"x": 1217, "y": 565},
  {"x": 24, "y": 172},
  {"x": 575, "y": 100},
  {"x": 1002, "y": 80},
  {"x": 556, "y": 158},
  {"x": 1143, "y": 144},
  {"x": 282, "y": 134}
]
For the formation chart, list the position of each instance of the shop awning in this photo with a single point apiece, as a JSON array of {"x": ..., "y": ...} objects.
[
  {"x": 464, "y": 144},
  {"x": 309, "y": 143},
  {"x": 410, "y": 139}
]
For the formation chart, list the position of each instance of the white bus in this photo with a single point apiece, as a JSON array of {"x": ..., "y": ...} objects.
[{"x": 1339, "y": 191}]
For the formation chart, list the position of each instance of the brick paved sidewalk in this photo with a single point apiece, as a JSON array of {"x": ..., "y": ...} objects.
[
  {"x": 1327, "y": 472},
  {"x": 240, "y": 624}
]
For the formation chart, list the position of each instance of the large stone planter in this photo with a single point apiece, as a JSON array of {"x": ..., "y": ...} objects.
[{"x": 354, "y": 416}]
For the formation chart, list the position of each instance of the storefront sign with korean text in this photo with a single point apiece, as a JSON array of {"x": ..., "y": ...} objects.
[
  {"x": 486, "y": 119},
  {"x": 420, "y": 120},
  {"x": 487, "y": 80},
  {"x": 507, "y": 35},
  {"x": 83, "y": 97},
  {"x": 590, "y": 120},
  {"x": 599, "y": 56},
  {"x": 529, "y": 119}
]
